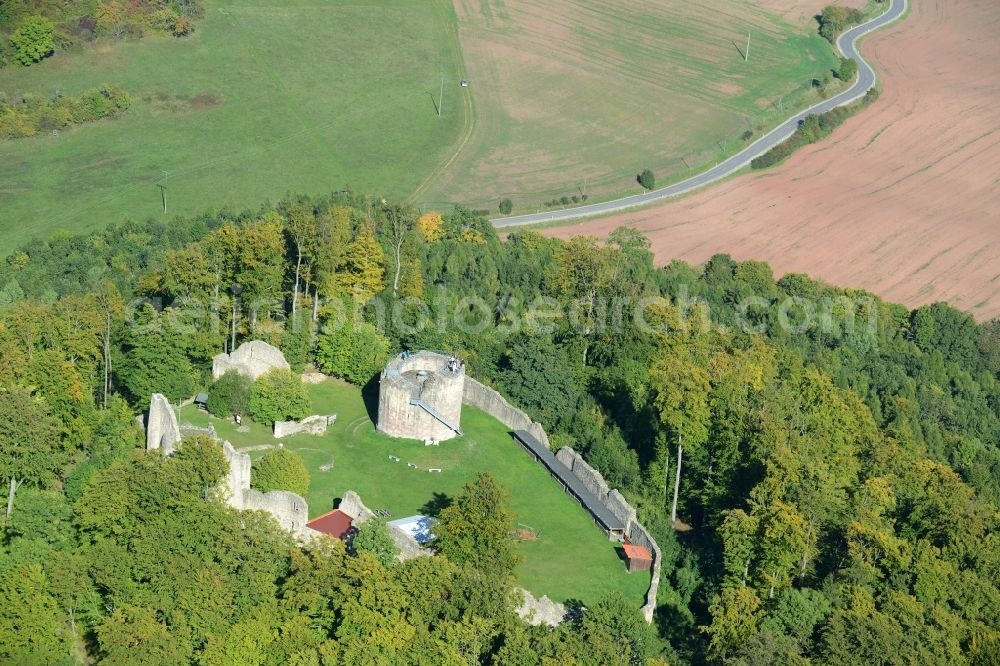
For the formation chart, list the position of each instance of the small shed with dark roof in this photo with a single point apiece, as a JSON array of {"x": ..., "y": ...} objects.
[
  {"x": 336, "y": 523},
  {"x": 637, "y": 558}
]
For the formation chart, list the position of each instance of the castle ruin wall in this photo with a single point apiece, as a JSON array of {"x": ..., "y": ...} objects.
[
  {"x": 162, "y": 431},
  {"x": 251, "y": 359},
  {"x": 616, "y": 503},
  {"x": 488, "y": 400},
  {"x": 424, "y": 377}
]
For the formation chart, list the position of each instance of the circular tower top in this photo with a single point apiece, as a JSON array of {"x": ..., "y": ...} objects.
[{"x": 420, "y": 396}]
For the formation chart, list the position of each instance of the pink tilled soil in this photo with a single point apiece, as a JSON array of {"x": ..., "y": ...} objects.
[{"x": 903, "y": 200}]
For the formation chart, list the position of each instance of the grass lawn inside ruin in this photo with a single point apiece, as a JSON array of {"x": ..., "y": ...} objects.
[{"x": 571, "y": 558}]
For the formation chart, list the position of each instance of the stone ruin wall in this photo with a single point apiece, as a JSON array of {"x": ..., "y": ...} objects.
[
  {"x": 591, "y": 479},
  {"x": 442, "y": 391},
  {"x": 483, "y": 397},
  {"x": 162, "y": 431},
  {"x": 614, "y": 502},
  {"x": 290, "y": 510},
  {"x": 408, "y": 547},
  {"x": 251, "y": 359},
  {"x": 352, "y": 505}
]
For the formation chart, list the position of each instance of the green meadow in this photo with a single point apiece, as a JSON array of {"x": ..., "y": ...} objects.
[{"x": 263, "y": 99}]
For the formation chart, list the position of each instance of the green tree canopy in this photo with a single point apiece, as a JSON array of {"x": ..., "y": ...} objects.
[
  {"x": 353, "y": 351},
  {"x": 278, "y": 395},
  {"x": 477, "y": 528},
  {"x": 230, "y": 395},
  {"x": 32, "y": 448},
  {"x": 848, "y": 69},
  {"x": 33, "y": 40},
  {"x": 281, "y": 469},
  {"x": 373, "y": 537}
]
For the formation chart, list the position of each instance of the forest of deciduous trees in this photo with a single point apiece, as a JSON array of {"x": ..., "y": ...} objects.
[{"x": 839, "y": 479}]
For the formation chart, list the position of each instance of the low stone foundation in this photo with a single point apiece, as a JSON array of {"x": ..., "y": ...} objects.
[{"x": 311, "y": 425}]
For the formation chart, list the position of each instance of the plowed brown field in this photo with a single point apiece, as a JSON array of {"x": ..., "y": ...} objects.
[{"x": 903, "y": 200}]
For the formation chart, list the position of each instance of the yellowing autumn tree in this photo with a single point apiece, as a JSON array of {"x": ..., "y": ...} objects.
[
  {"x": 362, "y": 272},
  {"x": 430, "y": 226}
]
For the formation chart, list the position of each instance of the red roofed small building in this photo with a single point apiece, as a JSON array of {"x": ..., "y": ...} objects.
[
  {"x": 336, "y": 523},
  {"x": 637, "y": 558}
]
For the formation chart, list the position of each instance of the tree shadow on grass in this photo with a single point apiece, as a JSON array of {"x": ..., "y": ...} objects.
[
  {"x": 575, "y": 610},
  {"x": 436, "y": 504}
]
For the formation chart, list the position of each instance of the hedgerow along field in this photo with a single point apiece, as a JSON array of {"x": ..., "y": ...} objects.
[
  {"x": 578, "y": 96},
  {"x": 569, "y": 556},
  {"x": 263, "y": 98}
]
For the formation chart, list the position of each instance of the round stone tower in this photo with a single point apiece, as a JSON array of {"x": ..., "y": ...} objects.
[{"x": 420, "y": 397}]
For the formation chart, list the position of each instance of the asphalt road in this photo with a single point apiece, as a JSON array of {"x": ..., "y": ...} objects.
[{"x": 847, "y": 44}]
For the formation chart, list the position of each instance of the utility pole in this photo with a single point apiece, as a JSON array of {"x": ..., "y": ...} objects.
[
  {"x": 746, "y": 56},
  {"x": 441, "y": 96},
  {"x": 163, "y": 189}
]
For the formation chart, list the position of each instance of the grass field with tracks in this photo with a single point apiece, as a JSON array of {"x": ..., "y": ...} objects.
[
  {"x": 575, "y": 96},
  {"x": 571, "y": 558}
]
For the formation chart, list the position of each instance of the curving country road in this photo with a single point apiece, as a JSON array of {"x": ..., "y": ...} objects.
[{"x": 846, "y": 43}]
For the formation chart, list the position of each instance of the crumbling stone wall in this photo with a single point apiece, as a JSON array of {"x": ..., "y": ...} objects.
[
  {"x": 311, "y": 425},
  {"x": 408, "y": 547},
  {"x": 420, "y": 376},
  {"x": 251, "y": 359},
  {"x": 483, "y": 397},
  {"x": 238, "y": 480},
  {"x": 162, "y": 431},
  {"x": 590, "y": 477},
  {"x": 616, "y": 503},
  {"x": 290, "y": 510},
  {"x": 537, "y": 612},
  {"x": 352, "y": 505}
]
